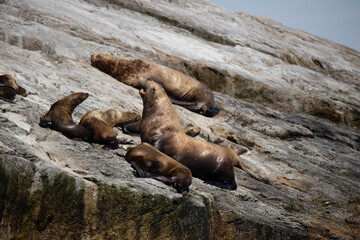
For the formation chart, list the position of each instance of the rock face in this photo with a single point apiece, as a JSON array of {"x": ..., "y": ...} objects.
[{"x": 289, "y": 107}]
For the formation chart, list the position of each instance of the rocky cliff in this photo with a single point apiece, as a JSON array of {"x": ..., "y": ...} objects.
[{"x": 289, "y": 107}]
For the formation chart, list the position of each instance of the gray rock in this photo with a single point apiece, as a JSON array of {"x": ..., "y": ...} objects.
[{"x": 289, "y": 107}]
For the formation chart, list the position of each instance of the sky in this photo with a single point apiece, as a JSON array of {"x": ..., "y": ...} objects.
[{"x": 336, "y": 20}]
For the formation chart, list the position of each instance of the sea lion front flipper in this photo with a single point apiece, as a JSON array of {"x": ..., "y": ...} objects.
[
  {"x": 224, "y": 184},
  {"x": 192, "y": 131},
  {"x": 132, "y": 128},
  {"x": 182, "y": 103},
  {"x": 142, "y": 173},
  {"x": 7, "y": 93},
  {"x": 166, "y": 180}
]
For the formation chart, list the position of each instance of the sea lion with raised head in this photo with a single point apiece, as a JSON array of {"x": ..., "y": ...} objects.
[
  {"x": 59, "y": 117},
  {"x": 9, "y": 88},
  {"x": 151, "y": 163},
  {"x": 160, "y": 126},
  {"x": 182, "y": 89},
  {"x": 101, "y": 122}
]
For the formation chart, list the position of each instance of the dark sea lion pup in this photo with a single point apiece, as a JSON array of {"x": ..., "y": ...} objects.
[
  {"x": 101, "y": 122},
  {"x": 9, "y": 88},
  {"x": 59, "y": 117},
  {"x": 182, "y": 89},
  {"x": 160, "y": 126},
  {"x": 151, "y": 163}
]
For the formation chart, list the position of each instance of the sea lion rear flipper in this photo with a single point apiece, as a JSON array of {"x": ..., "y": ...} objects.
[
  {"x": 7, "y": 93},
  {"x": 132, "y": 128},
  {"x": 211, "y": 113}
]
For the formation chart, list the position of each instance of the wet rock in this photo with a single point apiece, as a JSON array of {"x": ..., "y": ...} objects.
[{"x": 289, "y": 108}]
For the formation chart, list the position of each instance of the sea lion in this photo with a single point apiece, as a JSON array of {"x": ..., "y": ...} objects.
[
  {"x": 9, "y": 88},
  {"x": 182, "y": 89},
  {"x": 101, "y": 122},
  {"x": 7, "y": 80},
  {"x": 150, "y": 162},
  {"x": 134, "y": 128},
  {"x": 160, "y": 126},
  {"x": 59, "y": 117}
]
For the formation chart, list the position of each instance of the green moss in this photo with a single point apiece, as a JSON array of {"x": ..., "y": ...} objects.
[{"x": 150, "y": 216}]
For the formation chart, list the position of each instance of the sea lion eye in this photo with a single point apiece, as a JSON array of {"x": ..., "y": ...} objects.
[{"x": 154, "y": 89}]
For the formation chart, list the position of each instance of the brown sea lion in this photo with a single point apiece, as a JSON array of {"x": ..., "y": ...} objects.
[
  {"x": 151, "y": 163},
  {"x": 182, "y": 89},
  {"x": 7, "y": 80},
  {"x": 134, "y": 128},
  {"x": 59, "y": 117},
  {"x": 160, "y": 126},
  {"x": 101, "y": 122},
  {"x": 9, "y": 88}
]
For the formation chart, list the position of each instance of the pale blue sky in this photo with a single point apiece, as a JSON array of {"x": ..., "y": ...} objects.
[{"x": 336, "y": 20}]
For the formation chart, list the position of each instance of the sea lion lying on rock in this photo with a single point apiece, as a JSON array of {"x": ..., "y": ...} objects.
[
  {"x": 9, "y": 88},
  {"x": 160, "y": 126},
  {"x": 182, "y": 89},
  {"x": 59, "y": 117},
  {"x": 100, "y": 123},
  {"x": 134, "y": 128},
  {"x": 151, "y": 163}
]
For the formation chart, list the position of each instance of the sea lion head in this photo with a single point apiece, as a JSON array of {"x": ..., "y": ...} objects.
[
  {"x": 76, "y": 99},
  {"x": 152, "y": 92},
  {"x": 104, "y": 62},
  {"x": 182, "y": 185}
]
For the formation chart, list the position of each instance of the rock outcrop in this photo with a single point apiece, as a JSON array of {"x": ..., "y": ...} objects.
[{"x": 289, "y": 107}]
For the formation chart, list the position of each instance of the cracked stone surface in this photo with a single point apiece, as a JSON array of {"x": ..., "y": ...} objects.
[{"x": 289, "y": 107}]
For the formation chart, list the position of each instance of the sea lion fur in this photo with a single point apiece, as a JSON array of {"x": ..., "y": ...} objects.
[
  {"x": 150, "y": 162},
  {"x": 101, "y": 122},
  {"x": 181, "y": 88},
  {"x": 59, "y": 117},
  {"x": 160, "y": 127}
]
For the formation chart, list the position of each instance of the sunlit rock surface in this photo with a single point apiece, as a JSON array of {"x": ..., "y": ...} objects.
[{"x": 289, "y": 107}]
